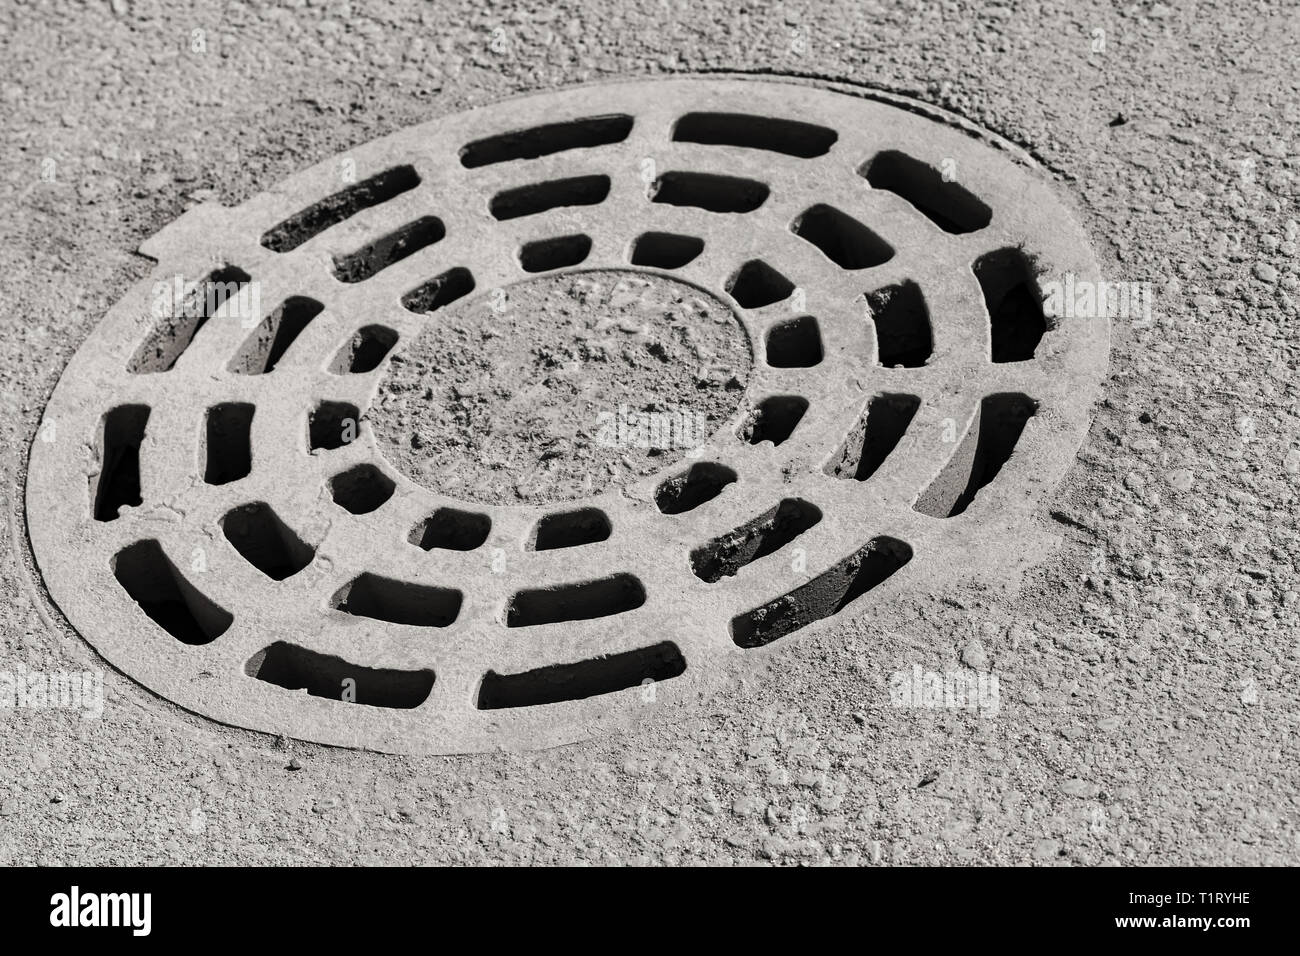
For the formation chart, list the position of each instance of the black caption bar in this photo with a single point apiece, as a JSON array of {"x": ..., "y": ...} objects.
[{"x": 301, "y": 906}]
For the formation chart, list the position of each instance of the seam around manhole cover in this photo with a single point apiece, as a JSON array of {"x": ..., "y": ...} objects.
[{"x": 216, "y": 515}]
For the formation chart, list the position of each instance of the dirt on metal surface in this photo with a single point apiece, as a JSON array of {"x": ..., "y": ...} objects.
[
  {"x": 1147, "y": 674},
  {"x": 518, "y": 397}
]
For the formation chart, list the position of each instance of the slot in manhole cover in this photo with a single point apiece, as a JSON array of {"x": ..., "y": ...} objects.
[{"x": 510, "y": 424}]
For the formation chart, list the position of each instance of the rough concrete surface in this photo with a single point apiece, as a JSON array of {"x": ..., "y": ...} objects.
[{"x": 1146, "y": 665}]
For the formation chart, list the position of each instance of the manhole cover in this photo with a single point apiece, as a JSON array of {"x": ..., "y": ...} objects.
[{"x": 527, "y": 419}]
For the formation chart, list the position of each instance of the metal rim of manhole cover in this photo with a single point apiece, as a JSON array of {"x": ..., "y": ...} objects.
[{"x": 203, "y": 515}]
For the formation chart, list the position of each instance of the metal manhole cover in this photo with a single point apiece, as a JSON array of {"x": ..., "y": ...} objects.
[{"x": 499, "y": 428}]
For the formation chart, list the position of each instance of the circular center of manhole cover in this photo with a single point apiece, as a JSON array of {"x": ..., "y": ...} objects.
[
  {"x": 558, "y": 387},
  {"x": 336, "y": 468}
]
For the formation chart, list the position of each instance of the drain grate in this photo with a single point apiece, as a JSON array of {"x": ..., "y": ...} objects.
[{"x": 225, "y": 515}]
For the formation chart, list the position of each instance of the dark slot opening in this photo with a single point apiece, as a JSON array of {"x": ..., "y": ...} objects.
[
  {"x": 554, "y": 253},
  {"x": 756, "y": 284},
  {"x": 452, "y": 529},
  {"x": 394, "y": 247},
  {"x": 365, "y": 350},
  {"x": 841, "y": 238},
  {"x": 265, "y": 541},
  {"x": 755, "y": 132},
  {"x": 988, "y": 443},
  {"x": 171, "y": 602},
  {"x": 665, "y": 250},
  {"x": 774, "y": 419},
  {"x": 709, "y": 191},
  {"x": 172, "y": 334},
  {"x": 332, "y": 210},
  {"x": 902, "y": 321},
  {"x": 768, "y": 533},
  {"x": 700, "y": 483},
  {"x": 827, "y": 594},
  {"x": 333, "y": 678},
  {"x": 794, "y": 343},
  {"x": 121, "y": 432},
  {"x": 439, "y": 291},
  {"x": 590, "y": 678},
  {"x": 398, "y": 602},
  {"x": 568, "y": 529},
  {"x": 361, "y": 489},
  {"x": 229, "y": 442},
  {"x": 875, "y": 437},
  {"x": 615, "y": 594},
  {"x": 545, "y": 140},
  {"x": 947, "y": 204},
  {"x": 262, "y": 350},
  {"x": 332, "y": 425},
  {"x": 1015, "y": 307},
  {"x": 539, "y": 197}
]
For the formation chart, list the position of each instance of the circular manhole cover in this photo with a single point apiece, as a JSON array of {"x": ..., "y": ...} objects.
[{"x": 515, "y": 423}]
